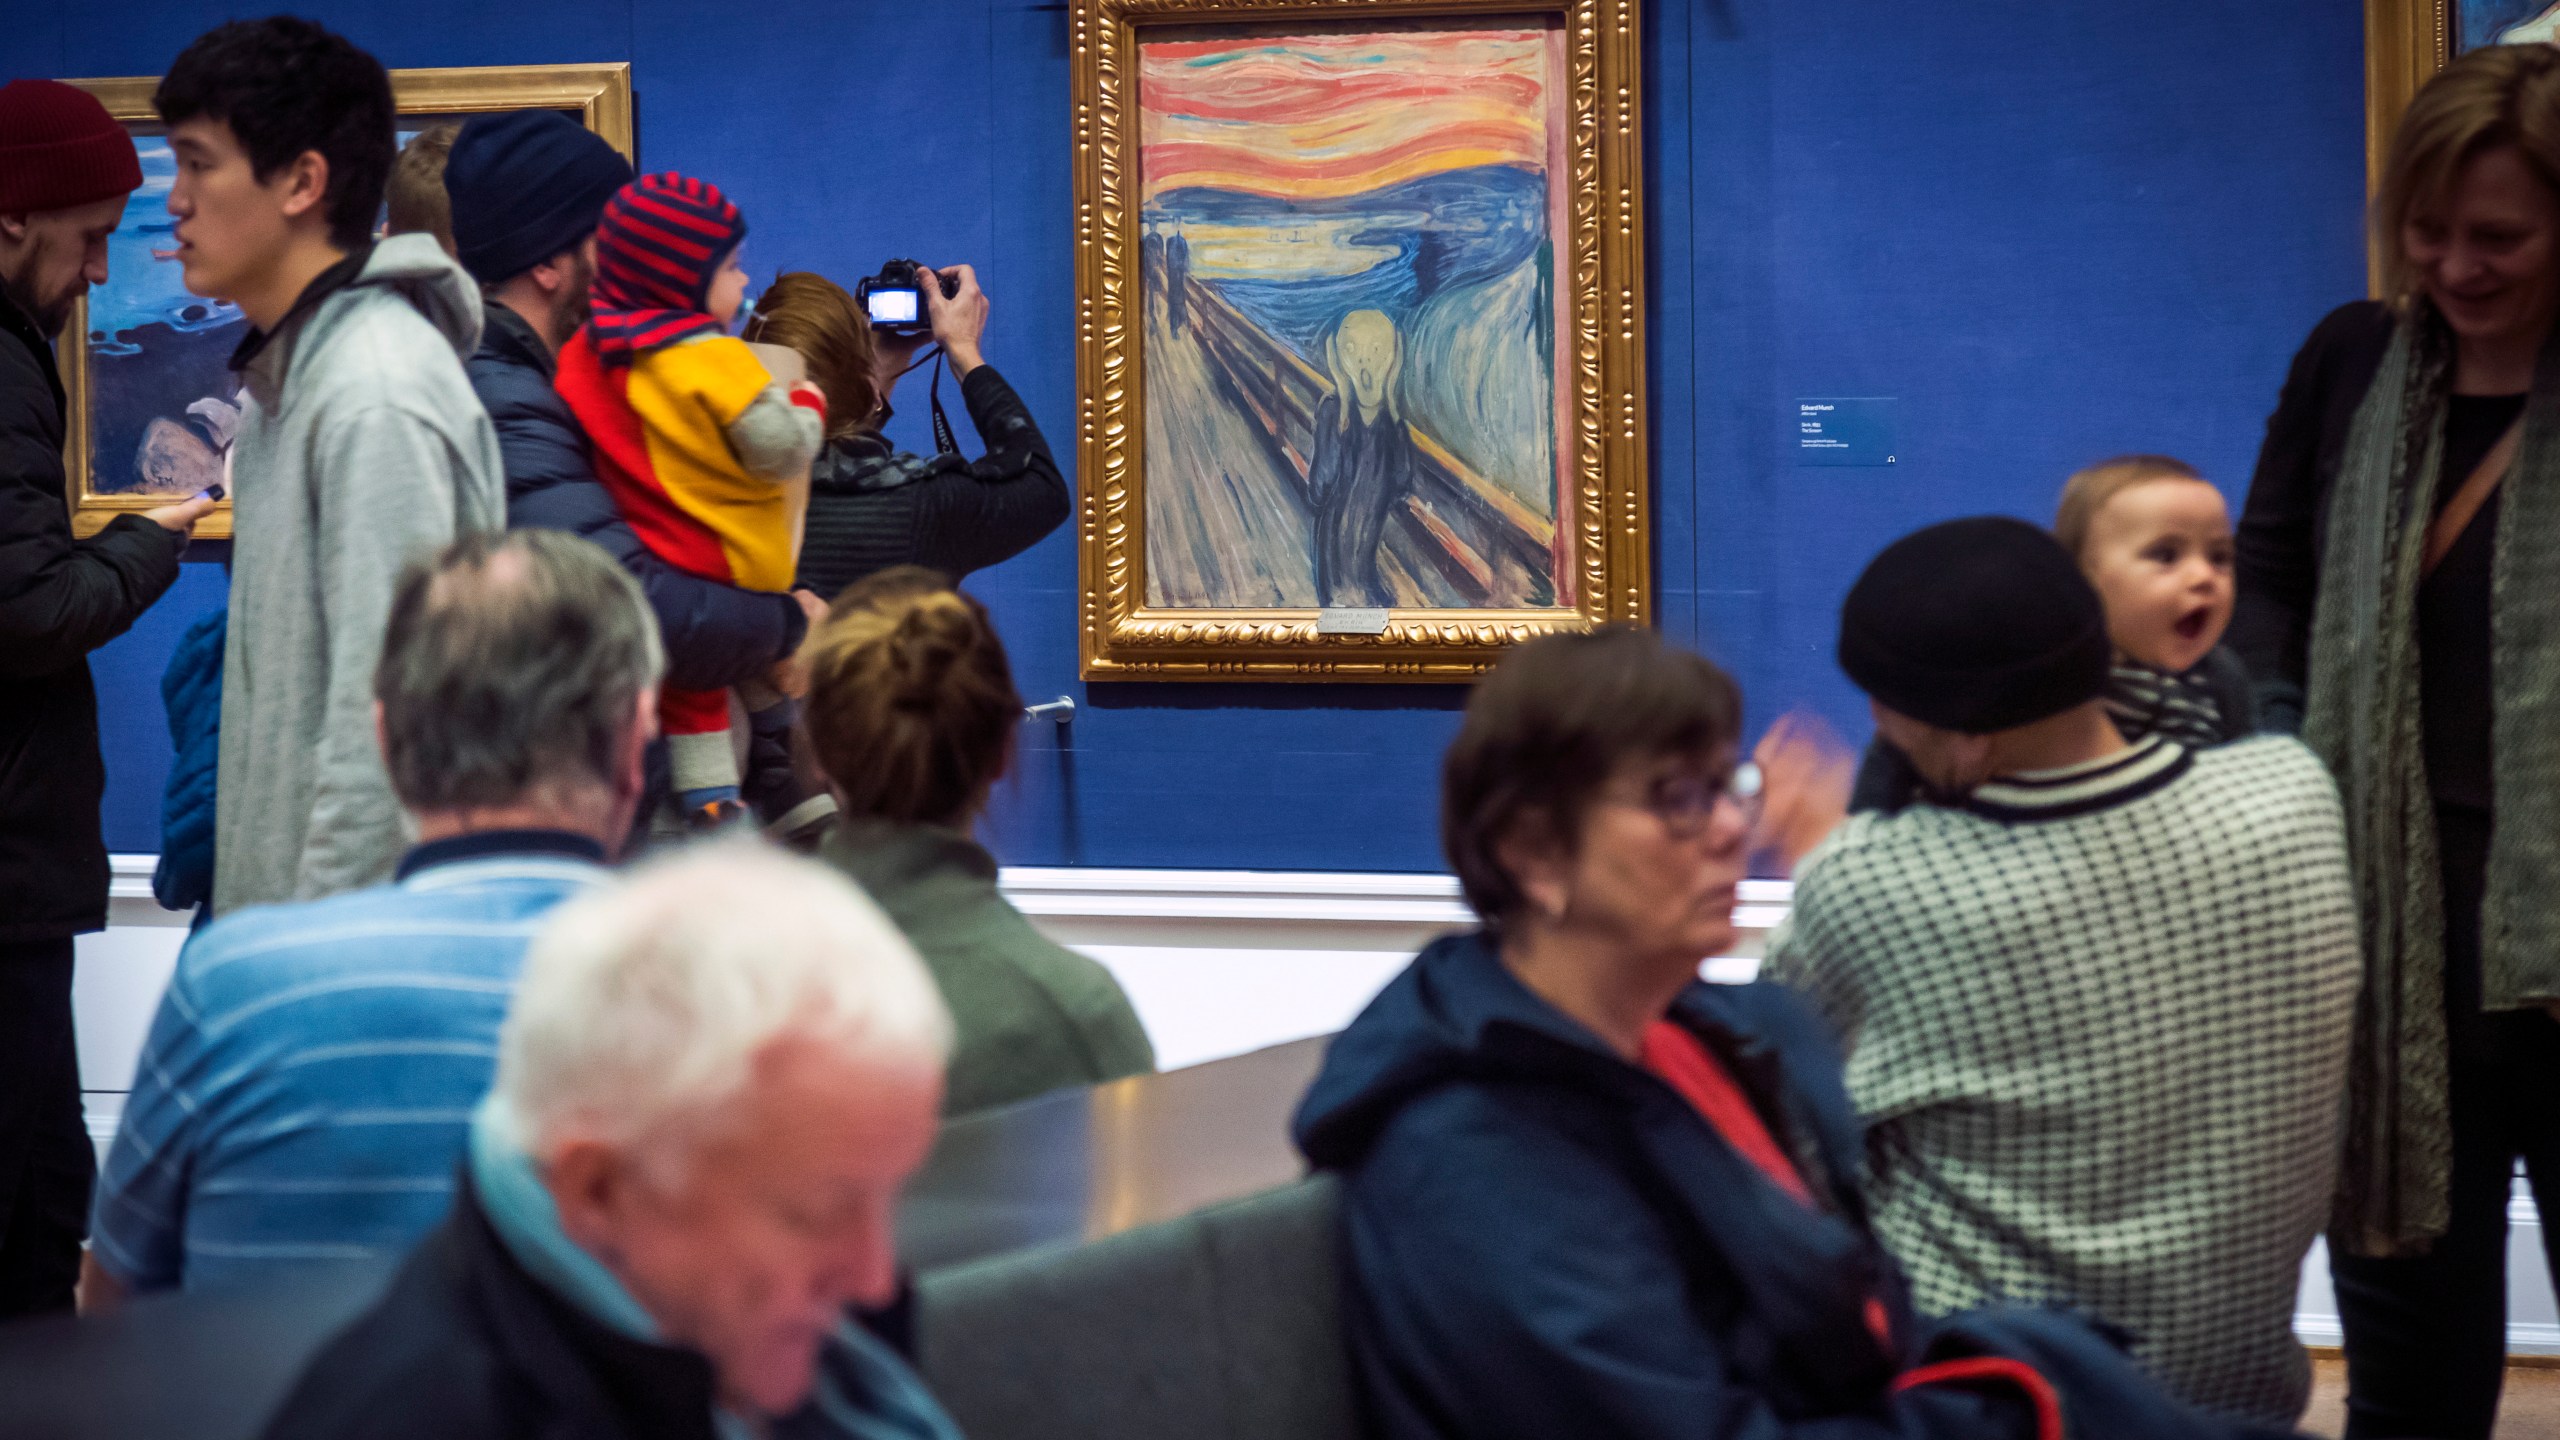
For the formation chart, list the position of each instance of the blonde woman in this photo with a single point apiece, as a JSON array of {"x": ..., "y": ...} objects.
[{"x": 2399, "y": 575}]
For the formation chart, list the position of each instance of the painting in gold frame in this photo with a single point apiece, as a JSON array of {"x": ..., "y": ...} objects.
[
  {"x": 151, "y": 408},
  {"x": 1360, "y": 333}
]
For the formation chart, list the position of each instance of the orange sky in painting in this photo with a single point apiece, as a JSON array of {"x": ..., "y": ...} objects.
[{"x": 1314, "y": 117}]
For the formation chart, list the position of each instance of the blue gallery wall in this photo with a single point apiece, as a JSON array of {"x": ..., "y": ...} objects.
[{"x": 2052, "y": 229}]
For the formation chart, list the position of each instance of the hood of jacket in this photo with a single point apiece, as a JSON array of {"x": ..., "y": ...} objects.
[
  {"x": 412, "y": 267},
  {"x": 1457, "y": 1013},
  {"x": 416, "y": 267},
  {"x": 1799, "y": 1279}
]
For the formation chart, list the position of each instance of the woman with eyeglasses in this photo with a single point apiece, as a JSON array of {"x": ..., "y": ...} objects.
[{"x": 1586, "y": 1194}]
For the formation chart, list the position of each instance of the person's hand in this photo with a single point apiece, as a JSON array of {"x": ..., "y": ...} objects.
[
  {"x": 790, "y": 674},
  {"x": 959, "y": 320},
  {"x": 1805, "y": 778},
  {"x": 181, "y": 518}
]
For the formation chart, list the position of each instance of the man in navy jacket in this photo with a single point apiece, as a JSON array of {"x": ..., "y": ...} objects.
[{"x": 526, "y": 189}]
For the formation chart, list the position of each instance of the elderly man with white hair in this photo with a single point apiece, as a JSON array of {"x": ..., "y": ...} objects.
[{"x": 716, "y": 1078}]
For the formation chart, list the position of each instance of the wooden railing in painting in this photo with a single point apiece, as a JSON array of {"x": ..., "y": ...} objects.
[{"x": 1477, "y": 536}]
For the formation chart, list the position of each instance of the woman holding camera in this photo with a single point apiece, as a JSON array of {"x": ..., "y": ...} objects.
[{"x": 872, "y": 506}]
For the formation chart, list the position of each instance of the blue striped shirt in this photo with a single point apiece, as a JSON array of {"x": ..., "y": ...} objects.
[{"x": 306, "y": 1091}]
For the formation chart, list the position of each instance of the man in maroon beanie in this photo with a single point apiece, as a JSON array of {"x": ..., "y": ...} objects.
[{"x": 66, "y": 170}]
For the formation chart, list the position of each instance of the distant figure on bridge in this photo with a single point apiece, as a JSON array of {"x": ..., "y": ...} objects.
[
  {"x": 1364, "y": 460},
  {"x": 1177, "y": 272},
  {"x": 1151, "y": 264}
]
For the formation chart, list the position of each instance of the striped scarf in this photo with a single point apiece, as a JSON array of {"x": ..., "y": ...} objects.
[
  {"x": 2146, "y": 700},
  {"x": 658, "y": 247},
  {"x": 2363, "y": 719}
]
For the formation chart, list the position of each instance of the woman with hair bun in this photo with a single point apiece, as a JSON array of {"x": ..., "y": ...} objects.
[{"x": 911, "y": 714}]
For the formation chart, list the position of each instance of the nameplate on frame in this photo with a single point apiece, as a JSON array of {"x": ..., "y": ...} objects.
[{"x": 1344, "y": 620}]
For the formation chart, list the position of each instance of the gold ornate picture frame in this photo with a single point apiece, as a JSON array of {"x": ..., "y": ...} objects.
[
  {"x": 1348, "y": 471},
  {"x": 598, "y": 95}
]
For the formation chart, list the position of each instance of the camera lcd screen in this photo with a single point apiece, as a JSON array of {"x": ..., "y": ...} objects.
[{"x": 892, "y": 306}]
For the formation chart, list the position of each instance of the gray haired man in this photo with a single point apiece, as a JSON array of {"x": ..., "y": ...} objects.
[
  {"x": 306, "y": 1088},
  {"x": 717, "y": 1078}
]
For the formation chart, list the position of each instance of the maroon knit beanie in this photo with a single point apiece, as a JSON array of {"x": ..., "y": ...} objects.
[{"x": 60, "y": 148}]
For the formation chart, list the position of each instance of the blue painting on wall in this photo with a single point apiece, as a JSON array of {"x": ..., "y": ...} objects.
[
  {"x": 2505, "y": 22},
  {"x": 162, "y": 401}
]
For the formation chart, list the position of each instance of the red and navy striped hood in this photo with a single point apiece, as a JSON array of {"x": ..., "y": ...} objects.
[{"x": 657, "y": 248}]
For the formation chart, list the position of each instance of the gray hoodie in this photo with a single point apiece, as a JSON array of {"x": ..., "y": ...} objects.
[{"x": 361, "y": 447}]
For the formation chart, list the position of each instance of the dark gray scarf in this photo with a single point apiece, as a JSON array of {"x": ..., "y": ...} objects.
[{"x": 2362, "y": 718}]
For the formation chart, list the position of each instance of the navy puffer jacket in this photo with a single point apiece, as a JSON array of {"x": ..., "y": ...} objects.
[
  {"x": 716, "y": 635},
  {"x": 1545, "y": 1240}
]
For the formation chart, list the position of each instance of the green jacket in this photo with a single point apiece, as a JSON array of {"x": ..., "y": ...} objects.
[{"x": 1032, "y": 1015}]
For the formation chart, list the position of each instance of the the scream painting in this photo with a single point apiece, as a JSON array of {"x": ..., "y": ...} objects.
[{"x": 1348, "y": 262}]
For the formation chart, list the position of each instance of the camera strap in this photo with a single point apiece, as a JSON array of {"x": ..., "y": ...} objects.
[{"x": 943, "y": 441}]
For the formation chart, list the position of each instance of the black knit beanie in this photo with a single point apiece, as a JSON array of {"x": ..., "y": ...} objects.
[{"x": 1975, "y": 626}]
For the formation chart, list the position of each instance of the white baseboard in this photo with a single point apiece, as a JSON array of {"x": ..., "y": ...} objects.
[{"x": 1217, "y": 962}]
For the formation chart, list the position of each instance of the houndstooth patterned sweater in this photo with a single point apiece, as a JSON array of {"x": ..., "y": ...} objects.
[{"x": 2097, "y": 1020}]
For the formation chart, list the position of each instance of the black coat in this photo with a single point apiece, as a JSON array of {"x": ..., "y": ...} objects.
[
  {"x": 871, "y": 508},
  {"x": 466, "y": 1343},
  {"x": 715, "y": 635},
  {"x": 2284, "y": 527},
  {"x": 60, "y": 598}
]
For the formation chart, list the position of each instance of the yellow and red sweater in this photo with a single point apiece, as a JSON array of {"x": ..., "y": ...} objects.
[{"x": 667, "y": 435}]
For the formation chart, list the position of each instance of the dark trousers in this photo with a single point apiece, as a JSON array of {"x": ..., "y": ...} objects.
[
  {"x": 2426, "y": 1338},
  {"x": 46, "y": 1164}
]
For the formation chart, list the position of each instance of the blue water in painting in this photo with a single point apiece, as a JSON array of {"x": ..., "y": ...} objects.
[
  {"x": 141, "y": 289},
  {"x": 2478, "y": 22},
  {"x": 1446, "y": 231},
  {"x": 1460, "y": 261}
]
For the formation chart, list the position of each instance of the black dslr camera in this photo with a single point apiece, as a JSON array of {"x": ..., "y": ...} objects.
[{"x": 894, "y": 298}]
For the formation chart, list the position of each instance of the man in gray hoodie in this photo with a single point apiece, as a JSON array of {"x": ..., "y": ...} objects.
[{"x": 360, "y": 443}]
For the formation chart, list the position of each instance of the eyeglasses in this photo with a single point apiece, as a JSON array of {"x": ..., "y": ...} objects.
[{"x": 1686, "y": 803}]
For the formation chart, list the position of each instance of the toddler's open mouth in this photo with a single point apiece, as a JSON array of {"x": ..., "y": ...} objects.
[{"x": 2191, "y": 625}]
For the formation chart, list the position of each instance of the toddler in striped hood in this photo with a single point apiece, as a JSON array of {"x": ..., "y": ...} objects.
[{"x": 693, "y": 436}]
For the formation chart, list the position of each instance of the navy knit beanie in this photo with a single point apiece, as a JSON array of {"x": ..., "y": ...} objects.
[
  {"x": 525, "y": 186},
  {"x": 1976, "y": 626}
]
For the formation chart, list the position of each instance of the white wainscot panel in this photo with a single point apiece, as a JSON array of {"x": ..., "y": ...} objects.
[{"x": 1216, "y": 962}]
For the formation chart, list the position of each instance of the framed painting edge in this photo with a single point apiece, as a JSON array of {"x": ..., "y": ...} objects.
[
  {"x": 1120, "y": 637},
  {"x": 601, "y": 94},
  {"x": 2405, "y": 42}
]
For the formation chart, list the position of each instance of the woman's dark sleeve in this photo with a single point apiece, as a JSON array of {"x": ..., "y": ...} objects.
[
  {"x": 1006, "y": 501},
  {"x": 2278, "y": 545}
]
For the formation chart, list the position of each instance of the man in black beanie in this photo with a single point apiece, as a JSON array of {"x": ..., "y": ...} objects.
[
  {"x": 2096, "y": 995},
  {"x": 526, "y": 189}
]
